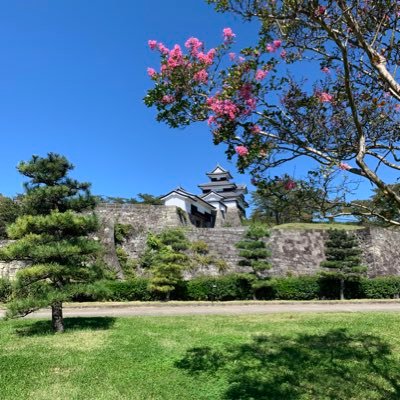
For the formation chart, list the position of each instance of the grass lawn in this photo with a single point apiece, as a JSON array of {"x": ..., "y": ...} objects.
[
  {"x": 323, "y": 226},
  {"x": 285, "y": 357}
]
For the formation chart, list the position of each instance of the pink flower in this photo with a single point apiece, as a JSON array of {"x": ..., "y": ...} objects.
[
  {"x": 151, "y": 72},
  {"x": 167, "y": 99},
  {"x": 283, "y": 54},
  {"x": 326, "y": 70},
  {"x": 277, "y": 44},
  {"x": 245, "y": 91},
  {"x": 232, "y": 56},
  {"x": 324, "y": 97},
  {"x": 228, "y": 34},
  {"x": 242, "y": 151},
  {"x": 223, "y": 108},
  {"x": 344, "y": 166},
  {"x": 163, "y": 50},
  {"x": 211, "y": 54},
  {"x": 255, "y": 129},
  {"x": 194, "y": 45},
  {"x": 201, "y": 76},
  {"x": 397, "y": 107},
  {"x": 290, "y": 185},
  {"x": 270, "y": 48},
  {"x": 211, "y": 120},
  {"x": 251, "y": 103},
  {"x": 152, "y": 44},
  {"x": 320, "y": 10},
  {"x": 206, "y": 58},
  {"x": 261, "y": 74},
  {"x": 241, "y": 59}
]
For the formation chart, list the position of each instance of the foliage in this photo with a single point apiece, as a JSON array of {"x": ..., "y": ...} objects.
[
  {"x": 166, "y": 260},
  {"x": 9, "y": 211},
  {"x": 5, "y": 289},
  {"x": 122, "y": 232},
  {"x": 385, "y": 287},
  {"x": 319, "y": 81},
  {"x": 52, "y": 238},
  {"x": 128, "y": 264},
  {"x": 343, "y": 259},
  {"x": 144, "y": 198},
  {"x": 220, "y": 288},
  {"x": 254, "y": 252},
  {"x": 200, "y": 257},
  {"x": 282, "y": 199},
  {"x": 296, "y": 288}
]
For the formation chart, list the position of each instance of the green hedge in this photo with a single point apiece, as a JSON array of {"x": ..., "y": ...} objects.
[
  {"x": 235, "y": 287},
  {"x": 296, "y": 288},
  {"x": 228, "y": 287},
  {"x": 386, "y": 287}
]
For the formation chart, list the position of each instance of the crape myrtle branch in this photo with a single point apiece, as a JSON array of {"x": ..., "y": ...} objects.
[{"x": 266, "y": 117}]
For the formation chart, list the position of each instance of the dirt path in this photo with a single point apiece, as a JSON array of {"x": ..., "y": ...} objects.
[{"x": 216, "y": 309}]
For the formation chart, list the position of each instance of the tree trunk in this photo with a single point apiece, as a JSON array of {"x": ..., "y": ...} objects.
[
  {"x": 342, "y": 289},
  {"x": 57, "y": 320}
]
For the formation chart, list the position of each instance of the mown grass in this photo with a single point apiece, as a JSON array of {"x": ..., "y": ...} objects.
[
  {"x": 323, "y": 226},
  {"x": 304, "y": 357}
]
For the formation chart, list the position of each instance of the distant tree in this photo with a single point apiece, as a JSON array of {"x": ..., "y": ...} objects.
[
  {"x": 166, "y": 260},
  {"x": 144, "y": 198},
  {"x": 9, "y": 211},
  {"x": 343, "y": 261},
  {"x": 52, "y": 238},
  {"x": 255, "y": 254}
]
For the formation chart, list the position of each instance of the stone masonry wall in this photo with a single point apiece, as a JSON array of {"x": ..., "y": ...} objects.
[{"x": 294, "y": 252}]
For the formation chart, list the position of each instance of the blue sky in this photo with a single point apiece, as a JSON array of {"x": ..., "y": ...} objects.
[{"x": 72, "y": 79}]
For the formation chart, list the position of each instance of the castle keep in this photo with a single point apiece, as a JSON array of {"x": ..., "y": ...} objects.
[{"x": 221, "y": 202}]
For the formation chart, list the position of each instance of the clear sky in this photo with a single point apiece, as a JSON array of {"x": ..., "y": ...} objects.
[{"x": 72, "y": 79}]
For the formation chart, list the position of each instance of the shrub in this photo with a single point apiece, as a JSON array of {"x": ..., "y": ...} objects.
[
  {"x": 228, "y": 287},
  {"x": 385, "y": 287},
  {"x": 5, "y": 290},
  {"x": 296, "y": 288}
]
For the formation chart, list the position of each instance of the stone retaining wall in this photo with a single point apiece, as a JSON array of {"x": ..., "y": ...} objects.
[{"x": 294, "y": 252}]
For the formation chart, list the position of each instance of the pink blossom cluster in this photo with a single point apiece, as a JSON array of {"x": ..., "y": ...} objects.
[
  {"x": 261, "y": 74},
  {"x": 326, "y": 70},
  {"x": 223, "y": 108},
  {"x": 228, "y": 34},
  {"x": 207, "y": 58},
  {"x": 201, "y": 76},
  {"x": 324, "y": 97},
  {"x": 290, "y": 184},
  {"x": 242, "y": 151},
  {"x": 167, "y": 99},
  {"x": 272, "y": 47},
  {"x": 255, "y": 129},
  {"x": 194, "y": 45},
  {"x": 151, "y": 72},
  {"x": 175, "y": 58},
  {"x": 344, "y": 166},
  {"x": 320, "y": 10}
]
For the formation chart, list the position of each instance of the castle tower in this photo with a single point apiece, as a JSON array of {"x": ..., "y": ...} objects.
[{"x": 227, "y": 197}]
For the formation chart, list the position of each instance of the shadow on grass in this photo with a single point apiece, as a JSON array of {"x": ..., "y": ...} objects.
[
  {"x": 39, "y": 328},
  {"x": 332, "y": 366}
]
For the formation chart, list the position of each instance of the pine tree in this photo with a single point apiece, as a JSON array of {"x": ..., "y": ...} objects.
[
  {"x": 343, "y": 261},
  {"x": 52, "y": 238},
  {"x": 255, "y": 253},
  {"x": 166, "y": 260}
]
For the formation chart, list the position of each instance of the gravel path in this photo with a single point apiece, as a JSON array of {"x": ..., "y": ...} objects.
[{"x": 216, "y": 309}]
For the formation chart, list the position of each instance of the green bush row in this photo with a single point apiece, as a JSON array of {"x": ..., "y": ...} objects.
[{"x": 237, "y": 287}]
